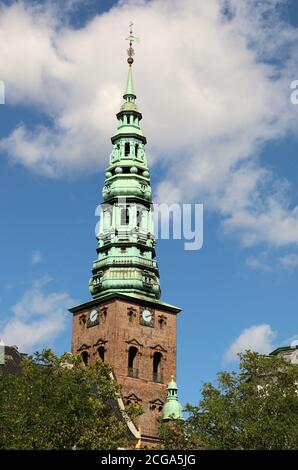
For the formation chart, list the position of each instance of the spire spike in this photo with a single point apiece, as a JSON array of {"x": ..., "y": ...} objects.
[{"x": 129, "y": 91}]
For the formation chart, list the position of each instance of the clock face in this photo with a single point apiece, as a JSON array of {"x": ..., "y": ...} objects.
[
  {"x": 93, "y": 315},
  {"x": 147, "y": 316}
]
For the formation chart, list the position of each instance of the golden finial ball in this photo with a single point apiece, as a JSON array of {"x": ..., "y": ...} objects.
[{"x": 130, "y": 60}]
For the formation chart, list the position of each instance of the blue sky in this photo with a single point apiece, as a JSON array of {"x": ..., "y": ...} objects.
[{"x": 240, "y": 289}]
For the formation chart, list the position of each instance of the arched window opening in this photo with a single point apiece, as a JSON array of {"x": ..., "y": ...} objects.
[
  {"x": 156, "y": 407},
  {"x": 136, "y": 150},
  {"x": 132, "y": 369},
  {"x": 125, "y": 216},
  {"x": 139, "y": 217},
  {"x": 107, "y": 218},
  {"x": 162, "y": 321},
  {"x": 157, "y": 376},
  {"x": 127, "y": 149},
  {"x": 85, "y": 357},
  {"x": 101, "y": 353}
]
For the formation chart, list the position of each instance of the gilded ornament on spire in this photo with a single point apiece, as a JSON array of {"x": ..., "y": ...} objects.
[{"x": 130, "y": 51}]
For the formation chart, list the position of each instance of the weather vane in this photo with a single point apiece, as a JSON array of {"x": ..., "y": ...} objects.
[{"x": 130, "y": 51}]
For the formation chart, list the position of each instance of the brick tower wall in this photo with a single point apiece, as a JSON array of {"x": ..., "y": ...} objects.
[{"x": 120, "y": 327}]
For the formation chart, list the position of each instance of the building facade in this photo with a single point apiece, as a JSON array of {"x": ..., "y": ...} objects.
[
  {"x": 289, "y": 353},
  {"x": 10, "y": 358},
  {"x": 126, "y": 324}
]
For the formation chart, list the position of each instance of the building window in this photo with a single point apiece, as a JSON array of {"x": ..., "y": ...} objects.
[
  {"x": 139, "y": 217},
  {"x": 156, "y": 406},
  {"x": 157, "y": 376},
  {"x": 127, "y": 149},
  {"x": 125, "y": 216},
  {"x": 136, "y": 150},
  {"x": 107, "y": 218},
  {"x": 131, "y": 312},
  {"x": 101, "y": 353},
  {"x": 85, "y": 357},
  {"x": 132, "y": 369},
  {"x": 162, "y": 320}
]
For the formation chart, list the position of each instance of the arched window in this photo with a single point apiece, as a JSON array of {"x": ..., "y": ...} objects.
[
  {"x": 157, "y": 376},
  {"x": 132, "y": 369},
  {"x": 125, "y": 216},
  {"x": 127, "y": 149},
  {"x": 156, "y": 406},
  {"x": 101, "y": 353},
  {"x": 85, "y": 357},
  {"x": 136, "y": 150},
  {"x": 107, "y": 218},
  {"x": 139, "y": 217}
]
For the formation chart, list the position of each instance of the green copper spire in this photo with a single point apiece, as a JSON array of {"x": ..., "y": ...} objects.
[
  {"x": 126, "y": 244},
  {"x": 129, "y": 92},
  {"x": 172, "y": 408}
]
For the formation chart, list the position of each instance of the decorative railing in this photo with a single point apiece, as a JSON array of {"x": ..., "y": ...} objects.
[{"x": 125, "y": 260}]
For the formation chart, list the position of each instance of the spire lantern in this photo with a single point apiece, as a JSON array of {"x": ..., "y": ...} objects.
[{"x": 172, "y": 408}]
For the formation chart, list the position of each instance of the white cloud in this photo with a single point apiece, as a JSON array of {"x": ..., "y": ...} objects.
[
  {"x": 36, "y": 257},
  {"x": 209, "y": 89},
  {"x": 257, "y": 338},
  {"x": 262, "y": 262},
  {"x": 289, "y": 261},
  {"x": 37, "y": 319},
  {"x": 267, "y": 261}
]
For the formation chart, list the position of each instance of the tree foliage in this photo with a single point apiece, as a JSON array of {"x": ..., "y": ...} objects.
[
  {"x": 56, "y": 403},
  {"x": 256, "y": 408}
]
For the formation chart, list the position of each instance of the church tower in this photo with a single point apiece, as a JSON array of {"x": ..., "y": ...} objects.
[{"x": 125, "y": 324}]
